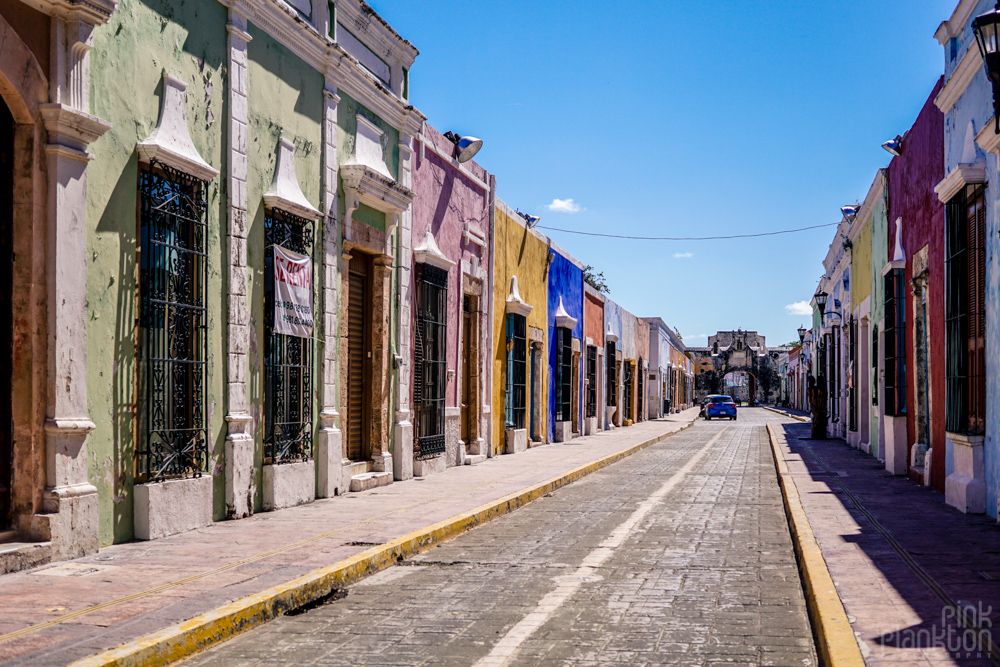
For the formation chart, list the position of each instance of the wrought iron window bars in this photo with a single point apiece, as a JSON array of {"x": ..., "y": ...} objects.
[
  {"x": 288, "y": 432},
  {"x": 173, "y": 441},
  {"x": 516, "y": 381},
  {"x": 430, "y": 361}
]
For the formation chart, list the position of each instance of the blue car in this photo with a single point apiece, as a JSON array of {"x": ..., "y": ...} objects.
[{"x": 719, "y": 406}]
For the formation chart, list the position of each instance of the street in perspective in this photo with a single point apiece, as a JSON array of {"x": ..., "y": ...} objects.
[{"x": 366, "y": 332}]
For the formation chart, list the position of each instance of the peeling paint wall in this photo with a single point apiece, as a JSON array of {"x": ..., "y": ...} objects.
[
  {"x": 285, "y": 99},
  {"x": 144, "y": 38}
]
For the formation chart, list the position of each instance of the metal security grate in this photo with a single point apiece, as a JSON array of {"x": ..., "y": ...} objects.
[
  {"x": 591, "y": 381},
  {"x": 172, "y": 279},
  {"x": 895, "y": 343},
  {"x": 430, "y": 358},
  {"x": 287, "y": 359},
  {"x": 852, "y": 399},
  {"x": 627, "y": 389},
  {"x": 516, "y": 381},
  {"x": 640, "y": 391},
  {"x": 564, "y": 375},
  {"x": 611, "y": 394}
]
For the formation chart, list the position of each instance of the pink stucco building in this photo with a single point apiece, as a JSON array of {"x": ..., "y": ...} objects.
[{"x": 450, "y": 307}]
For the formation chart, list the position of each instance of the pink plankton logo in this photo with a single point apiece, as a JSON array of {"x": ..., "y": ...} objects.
[{"x": 965, "y": 632}]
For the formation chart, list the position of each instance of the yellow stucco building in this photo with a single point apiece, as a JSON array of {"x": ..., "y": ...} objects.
[{"x": 520, "y": 316}]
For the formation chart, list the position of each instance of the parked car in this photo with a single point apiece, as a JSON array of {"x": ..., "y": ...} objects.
[{"x": 719, "y": 406}]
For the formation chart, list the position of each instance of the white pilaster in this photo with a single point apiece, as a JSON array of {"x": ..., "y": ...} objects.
[
  {"x": 239, "y": 439},
  {"x": 403, "y": 431},
  {"x": 329, "y": 447}
]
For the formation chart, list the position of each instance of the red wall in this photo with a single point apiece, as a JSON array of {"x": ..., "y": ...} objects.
[
  {"x": 593, "y": 319},
  {"x": 912, "y": 177}
]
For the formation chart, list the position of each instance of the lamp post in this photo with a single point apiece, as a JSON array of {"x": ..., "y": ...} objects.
[{"x": 986, "y": 27}]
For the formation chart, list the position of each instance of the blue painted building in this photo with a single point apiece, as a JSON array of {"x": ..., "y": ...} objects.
[{"x": 565, "y": 306}]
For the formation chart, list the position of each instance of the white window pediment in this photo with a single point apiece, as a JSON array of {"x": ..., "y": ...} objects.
[
  {"x": 515, "y": 304},
  {"x": 285, "y": 193},
  {"x": 170, "y": 143},
  {"x": 563, "y": 319},
  {"x": 428, "y": 252},
  {"x": 369, "y": 148},
  {"x": 958, "y": 178}
]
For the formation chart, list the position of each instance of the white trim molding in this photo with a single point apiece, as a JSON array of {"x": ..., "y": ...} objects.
[
  {"x": 563, "y": 319},
  {"x": 365, "y": 185},
  {"x": 285, "y": 192},
  {"x": 515, "y": 304},
  {"x": 170, "y": 143},
  {"x": 958, "y": 178},
  {"x": 988, "y": 139},
  {"x": 956, "y": 23},
  {"x": 958, "y": 82},
  {"x": 428, "y": 252}
]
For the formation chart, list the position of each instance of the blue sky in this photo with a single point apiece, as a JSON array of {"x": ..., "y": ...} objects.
[{"x": 676, "y": 118}]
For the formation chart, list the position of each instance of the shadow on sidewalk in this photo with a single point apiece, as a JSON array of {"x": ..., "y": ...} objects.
[{"x": 944, "y": 564}]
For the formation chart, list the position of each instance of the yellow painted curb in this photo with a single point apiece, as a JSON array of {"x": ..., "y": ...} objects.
[
  {"x": 838, "y": 646},
  {"x": 184, "y": 639}
]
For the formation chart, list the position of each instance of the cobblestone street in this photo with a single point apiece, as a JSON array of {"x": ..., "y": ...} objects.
[{"x": 677, "y": 555}]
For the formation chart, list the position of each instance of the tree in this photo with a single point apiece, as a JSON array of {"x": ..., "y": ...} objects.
[{"x": 596, "y": 279}]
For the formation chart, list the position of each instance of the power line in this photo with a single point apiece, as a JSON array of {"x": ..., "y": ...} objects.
[{"x": 688, "y": 238}]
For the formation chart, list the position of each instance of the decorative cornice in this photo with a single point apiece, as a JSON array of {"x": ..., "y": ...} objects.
[
  {"x": 861, "y": 219},
  {"x": 285, "y": 193},
  {"x": 170, "y": 143},
  {"x": 563, "y": 319},
  {"x": 515, "y": 304},
  {"x": 428, "y": 252},
  {"x": 374, "y": 189},
  {"x": 958, "y": 178},
  {"x": 988, "y": 139},
  {"x": 474, "y": 235},
  {"x": 375, "y": 32},
  {"x": 958, "y": 82},
  {"x": 71, "y": 128},
  {"x": 954, "y": 25},
  {"x": 94, "y": 12}
]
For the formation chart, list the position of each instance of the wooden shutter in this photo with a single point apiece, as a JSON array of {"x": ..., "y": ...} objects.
[{"x": 357, "y": 300}]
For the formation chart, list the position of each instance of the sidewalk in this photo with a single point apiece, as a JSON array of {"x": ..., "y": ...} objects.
[
  {"x": 901, "y": 559},
  {"x": 66, "y": 611}
]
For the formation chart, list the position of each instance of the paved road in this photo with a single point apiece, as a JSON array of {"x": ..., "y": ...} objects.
[{"x": 677, "y": 555}]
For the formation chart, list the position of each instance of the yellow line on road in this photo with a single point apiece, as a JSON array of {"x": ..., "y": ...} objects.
[
  {"x": 838, "y": 646},
  {"x": 186, "y": 638}
]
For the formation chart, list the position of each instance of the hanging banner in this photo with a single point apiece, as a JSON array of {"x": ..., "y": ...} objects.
[{"x": 293, "y": 299}]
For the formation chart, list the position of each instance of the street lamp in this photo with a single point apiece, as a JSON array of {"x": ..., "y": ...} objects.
[
  {"x": 821, "y": 298},
  {"x": 802, "y": 335},
  {"x": 986, "y": 27}
]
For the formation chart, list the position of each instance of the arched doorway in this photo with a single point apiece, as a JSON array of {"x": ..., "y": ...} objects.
[
  {"x": 741, "y": 385},
  {"x": 6, "y": 312}
]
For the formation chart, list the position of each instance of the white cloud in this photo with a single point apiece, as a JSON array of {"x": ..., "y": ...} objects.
[
  {"x": 564, "y": 206},
  {"x": 799, "y": 308},
  {"x": 683, "y": 255},
  {"x": 690, "y": 337}
]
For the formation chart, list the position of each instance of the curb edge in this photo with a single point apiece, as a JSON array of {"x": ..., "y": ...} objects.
[
  {"x": 184, "y": 639},
  {"x": 837, "y": 644}
]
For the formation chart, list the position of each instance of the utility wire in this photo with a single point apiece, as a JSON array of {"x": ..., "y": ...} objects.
[{"x": 688, "y": 238}]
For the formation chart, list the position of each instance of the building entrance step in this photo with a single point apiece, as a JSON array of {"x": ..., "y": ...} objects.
[
  {"x": 370, "y": 480},
  {"x": 18, "y": 555},
  {"x": 473, "y": 459}
]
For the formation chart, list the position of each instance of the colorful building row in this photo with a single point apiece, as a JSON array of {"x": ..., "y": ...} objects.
[
  {"x": 240, "y": 272},
  {"x": 905, "y": 330}
]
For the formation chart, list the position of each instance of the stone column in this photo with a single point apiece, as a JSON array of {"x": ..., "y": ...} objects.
[
  {"x": 239, "y": 439},
  {"x": 381, "y": 363},
  {"x": 69, "y": 503},
  {"x": 329, "y": 447},
  {"x": 402, "y": 462}
]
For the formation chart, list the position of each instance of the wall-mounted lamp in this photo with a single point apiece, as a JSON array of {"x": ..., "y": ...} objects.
[
  {"x": 894, "y": 146},
  {"x": 986, "y": 27},
  {"x": 531, "y": 220},
  {"x": 850, "y": 211},
  {"x": 467, "y": 146},
  {"x": 821, "y": 298}
]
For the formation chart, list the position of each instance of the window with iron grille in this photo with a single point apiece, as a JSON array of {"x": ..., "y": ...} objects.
[
  {"x": 564, "y": 375},
  {"x": 430, "y": 359},
  {"x": 895, "y": 343},
  {"x": 874, "y": 374},
  {"x": 516, "y": 381},
  {"x": 173, "y": 438},
  {"x": 288, "y": 431},
  {"x": 641, "y": 400},
  {"x": 965, "y": 312},
  {"x": 591, "y": 381},
  {"x": 852, "y": 405},
  {"x": 611, "y": 395},
  {"x": 627, "y": 389}
]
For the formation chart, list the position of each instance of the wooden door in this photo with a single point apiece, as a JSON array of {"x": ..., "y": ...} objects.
[
  {"x": 467, "y": 365},
  {"x": 6, "y": 313},
  {"x": 358, "y": 359}
]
